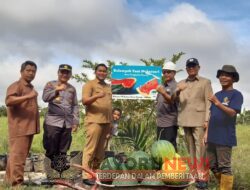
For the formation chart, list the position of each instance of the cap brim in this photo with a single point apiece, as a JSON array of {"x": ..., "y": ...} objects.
[
  {"x": 191, "y": 63},
  {"x": 65, "y": 69}
]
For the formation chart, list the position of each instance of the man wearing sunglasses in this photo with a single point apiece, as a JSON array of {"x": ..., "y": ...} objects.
[
  {"x": 193, "y": 115},
  {"x": 166, "y": 109}
]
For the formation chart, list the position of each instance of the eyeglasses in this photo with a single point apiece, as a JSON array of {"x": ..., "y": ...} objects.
[{"x": 167, "y": 71}]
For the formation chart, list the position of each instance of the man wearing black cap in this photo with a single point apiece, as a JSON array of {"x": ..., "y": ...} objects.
[
  {"x": 63, "y": 113},
  {"x": 193, "y": 93},
  {"x": 220, "y": 134}
]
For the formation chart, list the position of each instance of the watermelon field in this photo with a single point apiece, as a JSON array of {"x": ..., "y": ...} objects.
[{"x": 133, "y": 144}]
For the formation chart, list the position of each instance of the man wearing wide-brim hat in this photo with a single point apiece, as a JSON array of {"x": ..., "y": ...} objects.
[{"x": 221, "y": 134}]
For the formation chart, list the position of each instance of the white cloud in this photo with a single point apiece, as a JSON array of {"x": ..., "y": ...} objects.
[{"x": 52, "y": 32}]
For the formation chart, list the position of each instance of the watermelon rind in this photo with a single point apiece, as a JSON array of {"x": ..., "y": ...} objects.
[
  {"x": 123, "y": 83},
  {"x": 125, "y": 179},
  {"x": 138, "y": 89},
  {"x": 161, "y": 150}
]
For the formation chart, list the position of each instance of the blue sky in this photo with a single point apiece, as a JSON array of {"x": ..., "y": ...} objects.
[
  {"x": 52, "y": 32},
  {"x": 235, "y": 14}
]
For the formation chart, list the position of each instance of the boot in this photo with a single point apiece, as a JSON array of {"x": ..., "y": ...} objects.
[
  {"x": 226, "y": 182},
  {"x": 218, "y": 177}
]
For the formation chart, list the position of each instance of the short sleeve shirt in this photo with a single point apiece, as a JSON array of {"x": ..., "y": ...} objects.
[
  {"x": 99, "y": 111},
  {"x": 166, "y": 114},
  {"x": 221, "y": 126},
  {"x": 23, "y": 119}
]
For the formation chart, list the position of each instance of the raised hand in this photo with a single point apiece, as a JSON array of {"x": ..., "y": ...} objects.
[
  {"x": 101, "y": 94},
  {"x": 61, "y": 87},
  {"x": 32, "y": 94},
  {"x": 160, "y": 89},
  {"x": 181, "y": 86},
  {"x": 214, "y": 100}
]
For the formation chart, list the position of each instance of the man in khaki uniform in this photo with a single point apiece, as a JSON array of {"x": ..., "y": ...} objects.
[
  {"x": 23, "y": 121},
  {"x": 97, "y": 98},
  {"x": 193, "y": 113}
]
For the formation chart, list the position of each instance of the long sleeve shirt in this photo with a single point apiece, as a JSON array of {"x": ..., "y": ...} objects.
[{"x": 63, "y": 105}]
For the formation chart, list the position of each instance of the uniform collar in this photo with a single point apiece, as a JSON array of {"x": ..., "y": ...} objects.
[
  {"x": 196, "y": 78},
  {"x": 99, "y": 82},
  {"x": 25, "y": 83},
  {"x": 169, "y": 83}
]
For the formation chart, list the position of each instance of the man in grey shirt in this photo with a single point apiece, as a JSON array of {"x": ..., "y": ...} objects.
[
  {"x": 63, "y": 113},
  {"x": 166, "y": 109}
]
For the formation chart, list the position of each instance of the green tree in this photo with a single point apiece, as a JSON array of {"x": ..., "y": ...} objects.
[
  {"x": 244, "y": 117},
  {"x": 3, "y": 111}
]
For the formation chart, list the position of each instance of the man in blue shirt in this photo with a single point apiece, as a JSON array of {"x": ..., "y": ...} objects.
[{"x": 221, "y": 134}]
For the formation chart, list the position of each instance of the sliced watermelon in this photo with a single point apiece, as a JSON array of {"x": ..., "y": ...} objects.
[
  {"x": 146, "y": 88},
  {"x": 126, "y": 82},
  {"x": 122, "y": 86}
]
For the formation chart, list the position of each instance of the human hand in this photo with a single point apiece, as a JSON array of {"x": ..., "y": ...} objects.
[
  {"x": 74, "y": 128},
  {"x": 160, "y": 89},
  {"x": 33, "y": 93},
  {"x": 60, "y": 87},
  {"x": 108, "y": 136},
  {"x": 204, "y": 141},
  {"x": 181, "y": 87},
  {"x": 214, "y": 100},
  {"x": 101, "y": 94},
  {"x": 205, "y": 125}
]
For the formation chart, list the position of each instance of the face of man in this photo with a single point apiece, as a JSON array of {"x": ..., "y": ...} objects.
[
  {"x": 29, "y": 73},
  {"x": 226, "y": 79},
  {"x": 101, "y": 73},
  {"x": 116, "y": 115},
  {"x": 64, "y": 76},
  {"x": 168, "y": 74},
  {"x": 192, "y": 70}
]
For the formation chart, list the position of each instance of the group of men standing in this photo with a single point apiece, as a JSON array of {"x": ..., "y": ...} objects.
[
  {"x": 208, "y": 127},
  {"x": 60, "y": 121},
  {"x": 185, "y": 104}
]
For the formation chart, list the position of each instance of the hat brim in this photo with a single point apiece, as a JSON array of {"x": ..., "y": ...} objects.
[
  {"x": 192, "y": 64},
  {"x": 235, "y": 75},
  {"x": 63, "y": 69}
]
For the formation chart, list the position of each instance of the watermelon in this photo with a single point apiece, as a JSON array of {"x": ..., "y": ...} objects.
[
  {"x": 125, "y": 179},
  {"x": 152, "y": 180},
  {"x": 146, "y": 88},
  {"x": 108, "y": 166},
  {"x": 110, "y": 163},
  {"x": 162, "y": 150},
  {"x": 139, "y": 160},
  {"x": 175, "y": 172},
  {"x": 123, "y": 167},
  {"x": 126, "y": 82},
  {"x": 122, "y": 86}
]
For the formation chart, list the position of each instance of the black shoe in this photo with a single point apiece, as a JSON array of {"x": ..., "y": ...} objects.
[
  {"x": 201, "y": 185},
  {"x": 89, "y": 182}
]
